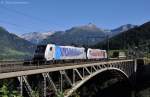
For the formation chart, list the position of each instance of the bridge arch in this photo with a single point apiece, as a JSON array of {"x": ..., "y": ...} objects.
[{"x": 86, "y": 79}]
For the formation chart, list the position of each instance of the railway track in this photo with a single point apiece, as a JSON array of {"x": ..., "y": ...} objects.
[{"x": 13, "y": 66}]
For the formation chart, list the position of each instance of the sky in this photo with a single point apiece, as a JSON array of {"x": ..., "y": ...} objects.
[{"x": 24, "y": 16}]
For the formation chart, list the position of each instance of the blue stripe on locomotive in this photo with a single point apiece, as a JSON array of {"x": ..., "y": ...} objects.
[
  {"x": 65, "y": 52},
  {"x": 57, "y": 52},
  {"x": 70, "y": 52}
]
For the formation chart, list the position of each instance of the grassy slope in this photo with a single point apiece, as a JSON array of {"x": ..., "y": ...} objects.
[{"x": 14, "y": 47}]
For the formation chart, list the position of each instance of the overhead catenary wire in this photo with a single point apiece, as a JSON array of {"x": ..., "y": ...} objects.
[
  {"x": 15, "y": 25},
  {"x": 27, "y": 16},
  {"x": 21, "y": 27},
  {"x": 28, "y": 26}
]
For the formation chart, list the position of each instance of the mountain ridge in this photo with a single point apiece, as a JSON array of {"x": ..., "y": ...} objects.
[
  {"x": 83, "y": 35},
  {"x": 138, "y": 37},
  {"x": 13, "y": 46},
  {"x": 35, "y": 37}
]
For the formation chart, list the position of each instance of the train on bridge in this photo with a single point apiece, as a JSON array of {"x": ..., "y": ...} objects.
[{"x": 56, "y": 53}]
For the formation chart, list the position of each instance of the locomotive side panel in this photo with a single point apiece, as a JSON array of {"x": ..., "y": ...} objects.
[
  {"x": 96, "y": 54},
  {"x": 105, "y": 54},
  {"x": 69, "y": 52}
]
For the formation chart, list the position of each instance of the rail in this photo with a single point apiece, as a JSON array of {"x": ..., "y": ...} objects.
[{"x": 14, "y": 66}]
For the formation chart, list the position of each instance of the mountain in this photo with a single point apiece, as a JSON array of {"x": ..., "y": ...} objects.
[
  {"x": 14, "y": 47},
  {"x": 82, "y": 35},
  {"x": 121, "y": 29},
  {"x": 36, "y": 37},
  {"x": 138, "y": 37}
]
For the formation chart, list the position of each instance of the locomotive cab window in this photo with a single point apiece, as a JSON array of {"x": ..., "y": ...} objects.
[
  {"x": 40, "y": 49},
  {"x": 51, "y": 48}
]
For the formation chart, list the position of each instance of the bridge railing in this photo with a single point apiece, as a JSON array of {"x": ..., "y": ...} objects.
[{"x": 12, "y": 66}]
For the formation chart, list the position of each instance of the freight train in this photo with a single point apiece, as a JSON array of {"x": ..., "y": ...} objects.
[{"x": 52, "y": 52}]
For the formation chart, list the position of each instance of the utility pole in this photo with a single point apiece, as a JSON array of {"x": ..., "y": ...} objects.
[{"x": 107, "y": 46}]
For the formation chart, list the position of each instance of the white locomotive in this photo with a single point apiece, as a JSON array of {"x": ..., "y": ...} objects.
[{"x": 51, "y": 52}]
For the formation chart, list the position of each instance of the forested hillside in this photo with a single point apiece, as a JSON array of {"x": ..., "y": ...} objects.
[
  {"x": 138, "y": 37},
  {"x": 14, "y": 47}
]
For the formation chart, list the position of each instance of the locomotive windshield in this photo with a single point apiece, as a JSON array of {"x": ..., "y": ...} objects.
[{"x": 40, "y": 49}]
